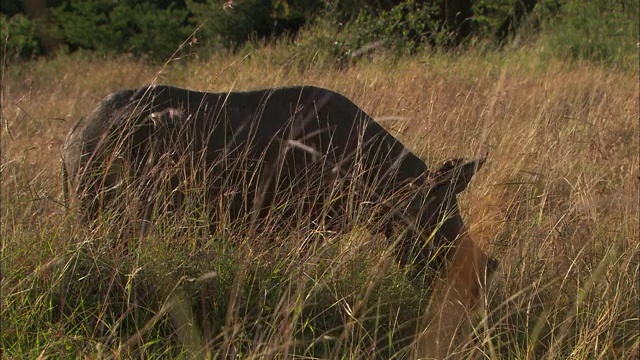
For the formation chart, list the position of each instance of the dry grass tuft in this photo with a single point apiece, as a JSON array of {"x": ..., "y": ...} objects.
[{"x": 557, "y": 203}]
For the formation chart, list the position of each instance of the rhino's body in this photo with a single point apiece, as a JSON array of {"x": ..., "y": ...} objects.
[
  {"x": 312, "y": 147},
  {"x": 270, "y": 143}
]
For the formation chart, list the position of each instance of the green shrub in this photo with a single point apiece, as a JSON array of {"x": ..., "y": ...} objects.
[
  {"x": 405, "y": 28},
  {"x": 18, "y": 37},
  {"x": 488, "y": 15},
  {"x": 232, "y": 26},
  {"x": 107, "y": 26},
  {"x": 603, "y": 31}
]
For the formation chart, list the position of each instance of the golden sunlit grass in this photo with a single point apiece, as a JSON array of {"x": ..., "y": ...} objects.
[{"x": 556, "y": 203}]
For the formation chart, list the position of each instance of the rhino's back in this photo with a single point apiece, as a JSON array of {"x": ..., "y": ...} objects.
[
  {"x": 271, "y": 108},
  {"x": 320, "y": 118}
]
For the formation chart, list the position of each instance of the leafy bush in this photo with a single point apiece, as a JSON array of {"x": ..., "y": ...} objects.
[
  {"x": 603, "y": 31},
  {"x": 18, "y": 38},
  {"x": 106, "y": 26},
  {"x": 351, "y": 30},
  {"x": 404, "y": 28},
  {"x": 489, "y": 14},
  {"x": 231, "y": 26}
]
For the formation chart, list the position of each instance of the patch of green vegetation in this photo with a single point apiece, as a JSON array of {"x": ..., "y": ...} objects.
[{"x": 602, "y": 31}]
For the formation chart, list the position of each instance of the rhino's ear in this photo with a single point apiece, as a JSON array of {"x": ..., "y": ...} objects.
[{"x": 457, "y": 173}]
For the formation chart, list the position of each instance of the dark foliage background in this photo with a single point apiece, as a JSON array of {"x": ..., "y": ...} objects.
[{"x": 155, "y": 30}]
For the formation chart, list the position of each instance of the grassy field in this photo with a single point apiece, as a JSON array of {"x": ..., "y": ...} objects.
[{"x": 556, "y": 203}]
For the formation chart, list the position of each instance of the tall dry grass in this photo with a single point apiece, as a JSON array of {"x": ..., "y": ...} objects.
[{"x": 556, "y": 203}]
